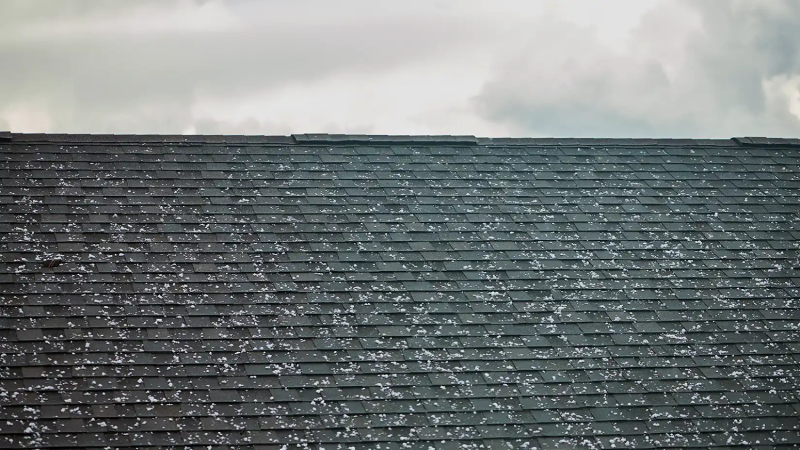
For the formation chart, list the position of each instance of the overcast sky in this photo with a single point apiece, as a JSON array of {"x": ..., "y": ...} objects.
[{"x": 616, "y": 68}]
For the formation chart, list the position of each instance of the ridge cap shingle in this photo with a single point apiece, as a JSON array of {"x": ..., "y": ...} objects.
[
  {"x": 379, "y": 139},
  {"x": 770, "y": 141}
]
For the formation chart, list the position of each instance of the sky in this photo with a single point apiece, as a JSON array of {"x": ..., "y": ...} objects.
[{"x": 539, "y": 68}]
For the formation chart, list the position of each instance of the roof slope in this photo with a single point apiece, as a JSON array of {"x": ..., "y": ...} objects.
[{"x": 439, "y": 293}]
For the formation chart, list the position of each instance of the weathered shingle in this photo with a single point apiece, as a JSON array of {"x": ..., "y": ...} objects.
[{"x": 340, "y": 291}]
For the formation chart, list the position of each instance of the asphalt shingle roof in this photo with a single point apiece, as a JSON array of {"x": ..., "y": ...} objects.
[{"x": 338, "y": 292}]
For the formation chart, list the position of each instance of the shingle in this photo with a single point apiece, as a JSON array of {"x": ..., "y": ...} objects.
[{"x": 489, "y": 287}]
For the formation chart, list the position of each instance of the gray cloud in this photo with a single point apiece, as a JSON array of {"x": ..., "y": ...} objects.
[
  {"x": 147, "y": 81},
  {"x": 721, "y": 80},
  {"x": 711, "y": 68}
]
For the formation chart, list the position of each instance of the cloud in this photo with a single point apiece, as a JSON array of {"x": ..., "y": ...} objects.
[
  {"x": 142, "y": 68},
  {"x": 247, "y": 126},
  {"x": 711, "y": 68},
  {"x": 417, "y": 98}
]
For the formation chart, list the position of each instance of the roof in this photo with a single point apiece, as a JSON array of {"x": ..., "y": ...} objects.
[{"x": 393, "y": 292}]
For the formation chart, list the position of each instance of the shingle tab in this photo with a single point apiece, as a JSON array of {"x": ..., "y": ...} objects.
[{"x": 337, "y": 291}]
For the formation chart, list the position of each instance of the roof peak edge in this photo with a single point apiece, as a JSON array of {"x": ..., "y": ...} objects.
[
  {"x": 782, "y": 142},
  {"x": 376, "y": 139}
]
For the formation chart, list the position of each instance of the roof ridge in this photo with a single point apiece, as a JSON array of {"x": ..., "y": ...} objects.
[
  {"x": 783, "y": 142},
  {"x": 377, "y": 139},
  {"x": 324, "y": 138}
]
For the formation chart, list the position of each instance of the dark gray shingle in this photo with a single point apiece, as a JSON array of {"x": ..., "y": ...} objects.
[{"x": 398, "y": 292}]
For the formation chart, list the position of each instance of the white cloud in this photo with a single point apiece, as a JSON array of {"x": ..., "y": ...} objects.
[
  {"x": 508, "y": 67},
  {"x": 783, "y": 91},
  {"x": 25, "y": 117},
  {"x": 425, "y": 98}
]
